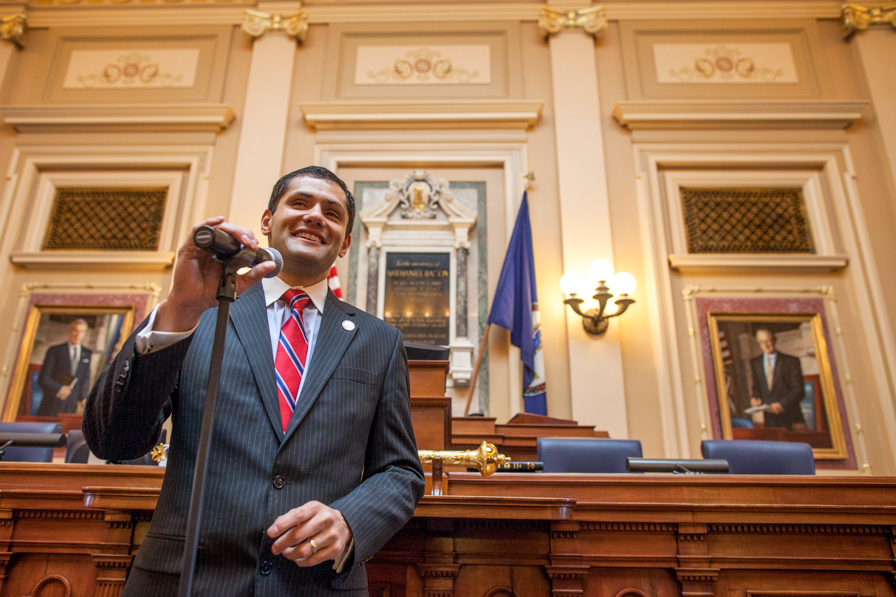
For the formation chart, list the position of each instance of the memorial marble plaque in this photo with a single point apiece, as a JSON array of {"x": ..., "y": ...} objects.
[{"x": 417, "y": 296}]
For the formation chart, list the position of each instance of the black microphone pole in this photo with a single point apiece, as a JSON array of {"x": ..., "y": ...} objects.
[{"x": 226, "y": 296}]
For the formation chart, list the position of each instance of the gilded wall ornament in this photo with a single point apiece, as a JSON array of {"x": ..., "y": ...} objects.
[
  {"x": 419, "y": 195},
  {"x": 13, "y": 28},
  {"x": 590, "y": 20},
  {"x": 255, "y": 24},
  {"x": 858, "y": 18}
]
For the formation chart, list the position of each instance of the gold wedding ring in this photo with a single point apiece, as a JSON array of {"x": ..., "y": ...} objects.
[{"x": 313, "y": 546}]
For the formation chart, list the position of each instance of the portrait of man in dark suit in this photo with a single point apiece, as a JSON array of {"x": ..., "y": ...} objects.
[
  {"x": 313, "y": 464},
  {"x": 65, "y": 373},
  {"x": 777, "y": 382}
]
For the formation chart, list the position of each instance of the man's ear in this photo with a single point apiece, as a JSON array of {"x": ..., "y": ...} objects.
[
  {"x": 345, "y": 245},
  {"x": 266, "y": 222}
]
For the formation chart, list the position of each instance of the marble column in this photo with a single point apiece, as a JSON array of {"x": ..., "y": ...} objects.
[
  {"x": 461, "y": 295},
  {"x": 373, "y": 277}
]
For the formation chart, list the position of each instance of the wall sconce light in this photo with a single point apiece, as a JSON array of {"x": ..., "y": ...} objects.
[{"x": 595, "y": 321}]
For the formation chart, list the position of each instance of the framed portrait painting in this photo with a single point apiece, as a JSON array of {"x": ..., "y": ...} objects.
[
  {"x": 67, "y": 339},
  {"x": 771, "y": 373}
]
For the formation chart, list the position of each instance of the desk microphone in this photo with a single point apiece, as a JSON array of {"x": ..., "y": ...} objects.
[{"x": 226, "y": 248}]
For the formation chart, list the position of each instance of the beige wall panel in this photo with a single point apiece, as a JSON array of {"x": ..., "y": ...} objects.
[
  {"x": 198, "y": 56},
  {"x": 725, "y": 41},
  {"x": 866, "y": 77},
  {"x": 544, "y": 213},
  {"x": 502, "y": 39},
  {"x": 19, "y": 82},
  {"x": 639, "y": 367},
  {"x": 226, "y": 143},
  {"x": 307, "y": 79}
]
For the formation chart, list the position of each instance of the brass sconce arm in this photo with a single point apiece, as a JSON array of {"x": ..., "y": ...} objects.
[{"x": 595, "y": 321}]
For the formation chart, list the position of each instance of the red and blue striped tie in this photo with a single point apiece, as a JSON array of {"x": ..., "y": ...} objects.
[{"x": 291, "y": 354}]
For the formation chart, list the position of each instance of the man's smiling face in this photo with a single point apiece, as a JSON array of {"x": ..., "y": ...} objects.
[{"x": 308, "y": 227}]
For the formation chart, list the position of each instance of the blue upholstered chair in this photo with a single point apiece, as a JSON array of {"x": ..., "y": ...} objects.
[
  {"x": 753, "y": 457},
  {"x": 76, "y": 450},
  {"x": 585, "y": 455},
  {"x": 17, "y": 454}
]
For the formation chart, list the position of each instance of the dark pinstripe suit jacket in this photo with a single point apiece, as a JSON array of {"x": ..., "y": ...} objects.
[{"x": 349, "y": 445}]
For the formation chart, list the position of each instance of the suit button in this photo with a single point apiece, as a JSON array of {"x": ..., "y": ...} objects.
[
  {"x": 279, "y": 483},
  {"x": 267, "y": 567}
]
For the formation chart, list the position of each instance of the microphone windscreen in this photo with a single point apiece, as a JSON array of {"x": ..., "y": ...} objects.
[{"x": 277, "y": 258}]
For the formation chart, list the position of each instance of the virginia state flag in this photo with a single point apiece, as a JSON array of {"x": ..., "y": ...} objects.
[{"x": 515, "y": 308}]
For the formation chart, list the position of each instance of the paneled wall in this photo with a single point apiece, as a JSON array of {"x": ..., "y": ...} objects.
[{"x": 617, "y": 128}]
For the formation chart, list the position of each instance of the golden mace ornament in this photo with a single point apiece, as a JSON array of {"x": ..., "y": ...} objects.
[{"x": 485, "y": 459}]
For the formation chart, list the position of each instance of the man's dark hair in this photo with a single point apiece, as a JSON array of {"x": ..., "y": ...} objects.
[{"x": 313, "y": 172}]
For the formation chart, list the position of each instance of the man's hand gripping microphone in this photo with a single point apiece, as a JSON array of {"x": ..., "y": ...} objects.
[{"x": 228, "y": 249}]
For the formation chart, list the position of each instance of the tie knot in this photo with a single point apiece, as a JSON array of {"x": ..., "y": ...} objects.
[{"x": 296, "y": 299}]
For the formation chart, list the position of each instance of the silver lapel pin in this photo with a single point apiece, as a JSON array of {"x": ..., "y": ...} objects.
[{"x": 348, "y": 325}]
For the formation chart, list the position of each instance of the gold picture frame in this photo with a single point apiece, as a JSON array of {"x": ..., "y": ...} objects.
[
  {"x": 734, "y": 353},
  {"x": 45, "y": 321}
]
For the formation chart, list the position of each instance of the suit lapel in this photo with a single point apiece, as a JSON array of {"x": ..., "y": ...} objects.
[
  {"x": 332, "y": 341},
  {"x": 249, "y": 316}
]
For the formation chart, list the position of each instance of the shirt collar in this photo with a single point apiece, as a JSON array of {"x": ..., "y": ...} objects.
[{"x": 275, "y": 287}]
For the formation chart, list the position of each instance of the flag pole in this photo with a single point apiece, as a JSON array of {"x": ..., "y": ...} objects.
[{"x": 476, "y": 370}]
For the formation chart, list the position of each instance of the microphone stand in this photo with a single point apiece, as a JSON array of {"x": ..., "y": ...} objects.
[{"x": 226, "y": 296}]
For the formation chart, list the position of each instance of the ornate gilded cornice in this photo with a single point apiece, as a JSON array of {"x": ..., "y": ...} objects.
[
  {"x": 256, "y": 24},
  {"x": 13, "y": 28},
  {"x": 857, "y": 18},
  {"x": 590, "y": 20}
]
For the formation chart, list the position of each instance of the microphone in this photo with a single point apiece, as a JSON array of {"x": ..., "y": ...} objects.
[{"x": 226, "y": 248}]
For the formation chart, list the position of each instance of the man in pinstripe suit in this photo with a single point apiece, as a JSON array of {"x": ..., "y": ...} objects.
[{"x": 294, "y": 512}]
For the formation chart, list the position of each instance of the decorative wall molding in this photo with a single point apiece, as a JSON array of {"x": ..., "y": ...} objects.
[
  {"x": 831, "y": 163},
  {"x": 757, "y": 263},
  {"x": 498, "y": 114},
  {"x": 119, "y": 118},
  {"x": 13, "y": 28},
  {"x": 122, "y": 13},
  {"x": 708, "y": 114},
  {"x": 255, "y": 24},
  {"x": 858, "y": 18},
  {"x": 590, "y": 20},
  {"x": 92, "y": 260}
]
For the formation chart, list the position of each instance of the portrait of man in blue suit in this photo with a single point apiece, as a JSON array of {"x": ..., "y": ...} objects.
[
  {"x": 295, "y": 502},
  {"x": 65, "y": 373}
]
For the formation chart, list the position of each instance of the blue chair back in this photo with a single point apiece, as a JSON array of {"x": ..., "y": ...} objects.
[
  {"x": 76, "y": 449},
  {"x": 754, "y": 457},
  {"x": 14, "y": 454},
  {"x": 586, "y": 455}
]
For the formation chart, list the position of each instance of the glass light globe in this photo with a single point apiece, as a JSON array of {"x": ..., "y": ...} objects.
[
  {"x": 600, "y": 270},
  {"x": 572, "y": 283},
  {"x": 623, "y": 283}
]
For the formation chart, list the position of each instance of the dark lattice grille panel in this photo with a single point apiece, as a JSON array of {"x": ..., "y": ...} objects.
[
  {"x": 106, "y": 219},
  {"x": 745, "y": 221}
]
